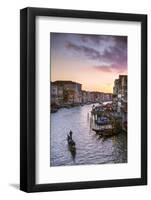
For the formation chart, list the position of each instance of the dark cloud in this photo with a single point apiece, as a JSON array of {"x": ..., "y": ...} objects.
[
  {"x": 96, "y": 39},
  {"x": 87, "y": 51},
  {"x": 99, "y": 39},
  {"x": 115, "y": 48},
  {"x": 121, "y": 41},
  {"x": 115, "y": 54}
]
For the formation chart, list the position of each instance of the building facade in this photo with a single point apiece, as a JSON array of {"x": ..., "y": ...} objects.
[
  {"x": 120, "y": 98},
  {"x": 66, "y": 92},
  {"x": 70, "y": 93}
]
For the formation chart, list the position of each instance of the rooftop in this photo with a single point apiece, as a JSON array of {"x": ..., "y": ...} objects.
[{"x": 59, "y": 82}]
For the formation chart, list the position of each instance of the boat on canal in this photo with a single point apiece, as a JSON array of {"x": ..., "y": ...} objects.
[
  {"x": 101, "y": 122},
  {"x": 71, "y": 145},
  {"x": 103, "y": 130}
]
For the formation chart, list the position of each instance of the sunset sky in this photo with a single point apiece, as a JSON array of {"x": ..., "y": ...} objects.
[{"x": 95, "y": 61}]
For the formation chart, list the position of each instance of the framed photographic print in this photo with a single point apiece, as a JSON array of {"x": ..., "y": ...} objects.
[{"x": 83, "y": 99}]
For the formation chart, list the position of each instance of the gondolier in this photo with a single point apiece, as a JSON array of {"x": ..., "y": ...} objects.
[
  {"x": 71, "y": 143},
  {"x": 70, "y": 134}
]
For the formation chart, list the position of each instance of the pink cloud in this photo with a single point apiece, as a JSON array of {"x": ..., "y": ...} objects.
[{"x": 114, "y": 68}]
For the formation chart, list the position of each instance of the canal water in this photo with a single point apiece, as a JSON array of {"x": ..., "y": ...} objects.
[{"x": 90, "y": 148}]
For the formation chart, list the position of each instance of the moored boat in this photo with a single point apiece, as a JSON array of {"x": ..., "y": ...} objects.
[
  {"x": 104, "y": 130},
  {"x": 102, "y": 121}
]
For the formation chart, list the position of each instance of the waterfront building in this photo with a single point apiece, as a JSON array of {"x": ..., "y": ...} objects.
[
  {"x": 69, "y": 92},
  {"x": 120, "y": 98},
  {"x": 107, "y": 96},
  {"x": 123, "y": 86},
  {"x": 116, "y": 95},
  {"x": 120, "y": 94},
  {"x": 95, "y": 97},
  {"x": 54, "y": 94},
  {"x": 84, "y": 96},
  {"x": 116, "y": 87}
]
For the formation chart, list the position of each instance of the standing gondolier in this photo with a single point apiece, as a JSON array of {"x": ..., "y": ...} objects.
[
  {"x": 70, "y": 134},
  {"x": 71, "y": 144}
]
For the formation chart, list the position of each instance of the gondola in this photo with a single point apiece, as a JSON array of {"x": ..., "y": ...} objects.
[{"x": 71, "y": 144}]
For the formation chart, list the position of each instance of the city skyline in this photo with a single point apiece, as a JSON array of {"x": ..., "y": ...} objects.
[
  {"x": 52, "y": 82},
  {"x": 95, "y": 61}
]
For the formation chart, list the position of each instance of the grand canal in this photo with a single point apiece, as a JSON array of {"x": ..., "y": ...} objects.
[{"x": 90, "y": 148}]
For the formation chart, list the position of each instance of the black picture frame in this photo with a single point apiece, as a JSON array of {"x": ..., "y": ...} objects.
[{"x": 28, "y": 99}]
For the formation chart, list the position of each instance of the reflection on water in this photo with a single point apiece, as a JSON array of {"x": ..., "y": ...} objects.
[{"x": 90, "y": 149}]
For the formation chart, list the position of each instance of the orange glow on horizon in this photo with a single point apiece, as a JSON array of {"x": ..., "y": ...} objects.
[
  {"x": 90, "y": 78},
  {"x": 106, "y": 88}
]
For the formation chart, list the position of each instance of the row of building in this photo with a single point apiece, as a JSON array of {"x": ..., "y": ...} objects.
[
  {"x": 71, "y": 93},
  {"x": 120, "y": 96}
]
